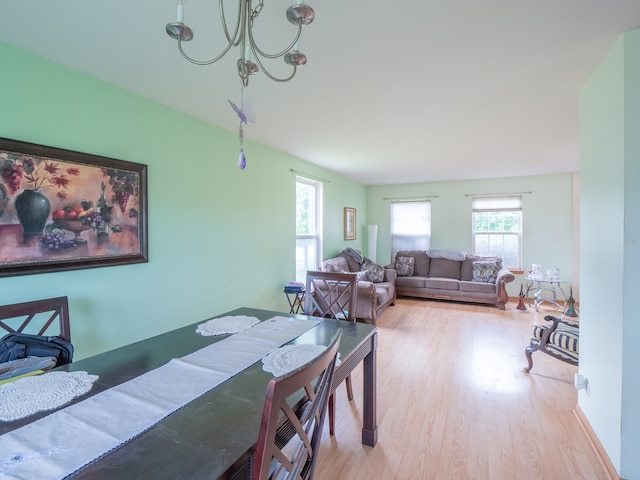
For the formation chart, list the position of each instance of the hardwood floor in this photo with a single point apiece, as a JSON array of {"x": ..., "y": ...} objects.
[{"x": 454, "y": 403}]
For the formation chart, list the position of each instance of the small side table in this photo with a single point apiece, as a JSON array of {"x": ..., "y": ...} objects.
[
  {"x": 547, "y": 292},
  {"x": 295, "y": 297}
]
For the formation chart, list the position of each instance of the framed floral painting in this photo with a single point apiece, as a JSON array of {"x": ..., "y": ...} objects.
[
  {"x": 349, "y": 223},
  {"x": 65, "y": 210}
]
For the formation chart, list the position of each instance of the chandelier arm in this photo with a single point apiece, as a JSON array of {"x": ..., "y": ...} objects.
[
  {"x": 272, "y": 77},
  {"x": 203, "y": 62},
  {"x": 256, "y": 49},
  {"x": 235, "y": 40}
]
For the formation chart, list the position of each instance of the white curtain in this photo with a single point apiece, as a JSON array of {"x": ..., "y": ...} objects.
[{"x": 410, "y": 226}]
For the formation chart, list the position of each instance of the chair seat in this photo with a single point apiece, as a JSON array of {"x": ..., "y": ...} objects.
[{"x": 564, "y": 338}]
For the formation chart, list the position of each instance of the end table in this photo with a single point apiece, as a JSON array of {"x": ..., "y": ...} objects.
[{"x": 295, "y": 297}]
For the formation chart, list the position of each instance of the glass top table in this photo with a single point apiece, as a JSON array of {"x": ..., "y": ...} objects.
[{"x": 547, "y": 290}]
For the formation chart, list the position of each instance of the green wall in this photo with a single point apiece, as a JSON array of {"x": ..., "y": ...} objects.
[
  {"x": 609, "y": 255},
  {"x": 219, "y": 238},
  {"x": 547, "y": 210}
]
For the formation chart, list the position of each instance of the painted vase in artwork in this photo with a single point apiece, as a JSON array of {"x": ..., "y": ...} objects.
[{"x": 32, "y": 209}]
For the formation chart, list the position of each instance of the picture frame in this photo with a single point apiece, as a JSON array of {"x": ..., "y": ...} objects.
[
  {"x": 66, "y": 210},
  {"x": 349, "y": 223}
]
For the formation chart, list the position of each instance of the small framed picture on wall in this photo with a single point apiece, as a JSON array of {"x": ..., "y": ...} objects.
[{"x": 349, "y": 223}]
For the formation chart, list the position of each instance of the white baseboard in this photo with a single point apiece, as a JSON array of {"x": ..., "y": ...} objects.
[{"x": 598, "y": 449}]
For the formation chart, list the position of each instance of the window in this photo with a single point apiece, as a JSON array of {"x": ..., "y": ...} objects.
[
  {"x": 308, "y": 226},
  {"x": 410, "y": 226},
  {"x": 497, "y": 228}
]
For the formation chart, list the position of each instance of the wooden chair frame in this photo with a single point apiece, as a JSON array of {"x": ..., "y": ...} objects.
[
  {"x": 333, "y": 295},
  {"x": 58, "y": 307},
  {"x": 298, "y": 430}
]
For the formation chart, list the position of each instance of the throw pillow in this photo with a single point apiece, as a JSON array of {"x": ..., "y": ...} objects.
[
  {"x": 466, "y": 270},
  {"x": 421, "y": 261},
  {"x": 375, "y": 273},
  {"x": 336, "y": 265},
  {"x": 359, "y": 275},
  {"x": 404, "y": 266},
  {"x": 486, "y": 272}
]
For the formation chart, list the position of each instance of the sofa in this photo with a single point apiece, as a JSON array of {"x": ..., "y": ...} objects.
[
  {"x": 376, "y": 284},
  {"x": 452, "y": 275}
]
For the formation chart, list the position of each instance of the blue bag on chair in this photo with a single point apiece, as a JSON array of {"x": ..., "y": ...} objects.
[{"x": 15, "y": 346}]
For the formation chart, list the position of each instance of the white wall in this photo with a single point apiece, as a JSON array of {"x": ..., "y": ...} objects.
[
  {"x": 609, "y": 256},
  {"x": 547, "y": 209}
]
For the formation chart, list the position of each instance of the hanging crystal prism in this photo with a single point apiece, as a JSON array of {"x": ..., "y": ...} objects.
[{"x": 245, "y": 114}]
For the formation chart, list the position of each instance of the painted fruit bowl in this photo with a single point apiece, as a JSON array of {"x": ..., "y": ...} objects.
[{"x": 72, "y": 225}]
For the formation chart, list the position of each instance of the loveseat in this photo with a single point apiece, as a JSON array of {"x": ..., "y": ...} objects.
[
  {"x": 376, "y": 284},
  {"x": 452, "y": 275}
]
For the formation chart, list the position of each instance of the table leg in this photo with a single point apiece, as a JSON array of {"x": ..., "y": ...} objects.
[
  {"x": 564, "y": 297},
  {"x": 369, "y": 393}
]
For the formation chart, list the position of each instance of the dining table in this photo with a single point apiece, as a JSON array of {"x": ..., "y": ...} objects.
[{"x": 214, "y": 435}]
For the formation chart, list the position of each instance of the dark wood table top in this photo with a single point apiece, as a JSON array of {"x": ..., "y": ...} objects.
[{"x": 212, "y": 433}]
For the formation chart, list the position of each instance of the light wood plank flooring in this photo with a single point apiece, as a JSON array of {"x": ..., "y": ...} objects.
[{"x": 454, "y": 403}]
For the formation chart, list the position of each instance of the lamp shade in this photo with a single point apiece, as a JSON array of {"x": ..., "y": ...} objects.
[{"x": 372, "y": 242}]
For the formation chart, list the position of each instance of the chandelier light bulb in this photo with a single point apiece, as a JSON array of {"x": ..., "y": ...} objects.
[{"x": 180, "y": 16}]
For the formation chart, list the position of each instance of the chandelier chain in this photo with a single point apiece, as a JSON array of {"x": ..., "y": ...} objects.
[{"x": 256, "y": 11}]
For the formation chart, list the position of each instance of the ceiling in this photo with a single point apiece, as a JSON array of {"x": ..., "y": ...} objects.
[{"x": 393, "y": 92}]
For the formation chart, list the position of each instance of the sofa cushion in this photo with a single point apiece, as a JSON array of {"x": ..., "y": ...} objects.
[
  {"x": 411, "y": 282},
  {"x": 375, "y": 272},
  {"x": 466, "y": 269},
  {"x": 442, "y": 283},
  {"x": 445, "y": 268},
  {"x": 335, "y": 265},
  {"x": 477, "y": 287},
  {"x": 421, "y": 261},
  {"x": 404, "y": 266},
  {"x": 485, "y": 272}
]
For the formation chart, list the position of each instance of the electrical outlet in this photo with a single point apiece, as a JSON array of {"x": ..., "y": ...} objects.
[{"x": 581, "y": 382}]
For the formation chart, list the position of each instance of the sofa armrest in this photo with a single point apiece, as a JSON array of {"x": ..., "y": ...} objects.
[
  {"x": 366, "y": 289},
  {"x": 504, "y": 277},
  {"x": 390, "y": 274}
]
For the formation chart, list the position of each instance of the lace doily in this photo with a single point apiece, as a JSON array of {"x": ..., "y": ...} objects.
[
  {"x": 289, "y": 357},
  {"x": 223, "y": 325},
  {"x": 29, "y": 395}
]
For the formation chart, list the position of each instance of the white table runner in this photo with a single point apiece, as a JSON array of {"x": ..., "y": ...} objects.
[{"x": 63, "y": 442}]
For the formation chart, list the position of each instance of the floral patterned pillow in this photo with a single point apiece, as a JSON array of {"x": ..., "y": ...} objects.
[
  {"x": 375, "y": 273},
  {"x": 404, "y": 266},
  {"x": 486, "y": 272}
]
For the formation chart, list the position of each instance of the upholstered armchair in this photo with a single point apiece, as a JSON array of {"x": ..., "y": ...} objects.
[{"x": 560, "y": 340}]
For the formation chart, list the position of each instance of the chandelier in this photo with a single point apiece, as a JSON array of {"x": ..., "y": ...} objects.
[{"x": 299, "y": 15}]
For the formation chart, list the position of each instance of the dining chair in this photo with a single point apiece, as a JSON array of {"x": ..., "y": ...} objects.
[
  {"x": 291, "y": 427},
  {"x": 37, "y": 317},
  {"x": 332, "y": 295}
]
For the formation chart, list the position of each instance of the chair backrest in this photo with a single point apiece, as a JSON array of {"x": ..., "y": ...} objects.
[
  {"x": 291, "y": 428},
  {"x": 331, "y": 295},
  {"x": 37, "y": 317}
]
